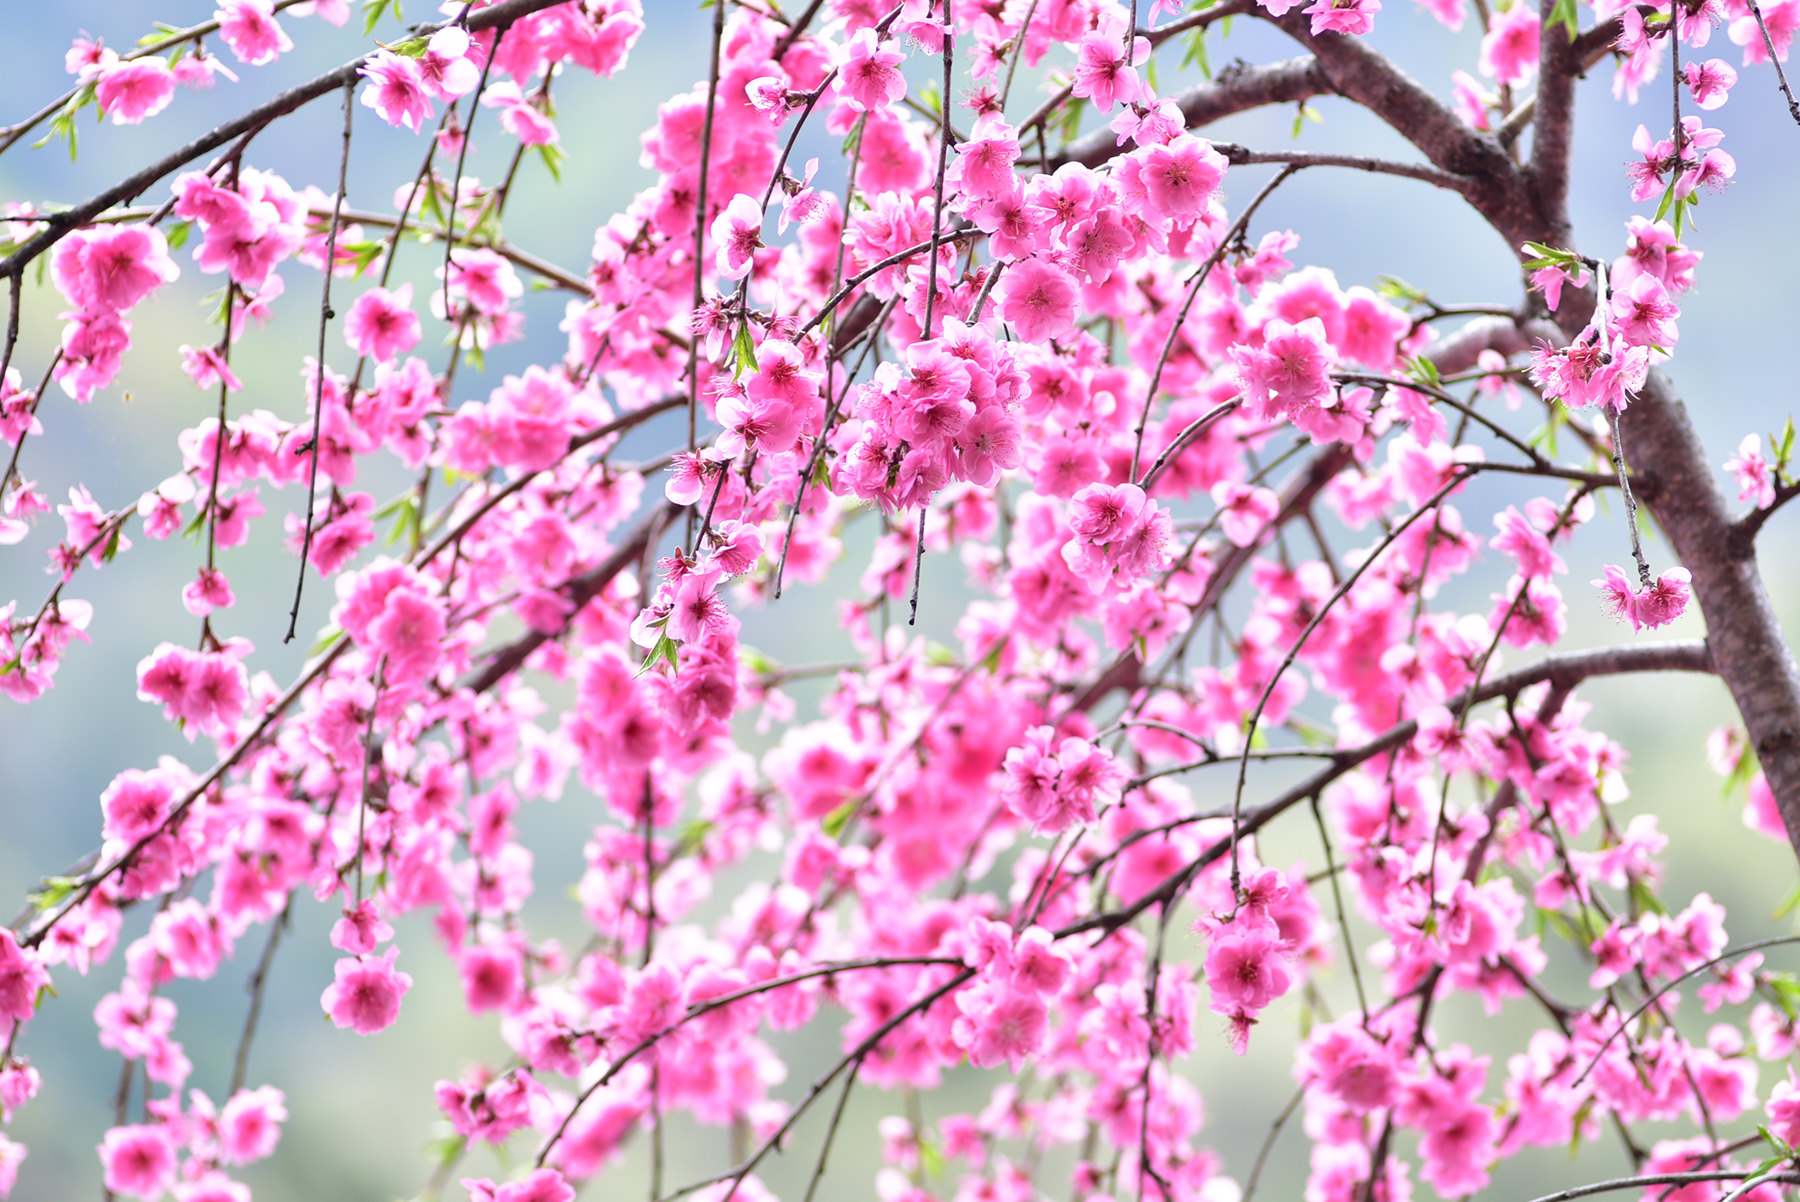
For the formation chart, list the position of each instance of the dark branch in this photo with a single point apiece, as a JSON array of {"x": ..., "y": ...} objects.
[{"x": 1239, "y": 88}]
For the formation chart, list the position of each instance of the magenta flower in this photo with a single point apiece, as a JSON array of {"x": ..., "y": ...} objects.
[
  {"x": 1710, "y": 82},
  {"x": 21, "y": 979},
  {"x": 139, "y": 1161},
  {"x": 365, "y": 996},
  {"x": 1246, "y": 971},
  {"x": 129, "y": 92},
  {"x": 1040, "y": 301},
  {"x": 1509, "y": 50},
  {"x": 250, "y": 1124},
  {"x": 1180, "y": 178},
  {"x": 1354, "y": 17},
  {"x": 249, "y": 27},
  {"x": 737, "y": 233},
  {"x": 870, "y": 76},
  {"x": 110, "y": 270},
  {"x": 382, "y": 324},
  {"x": 1102, "y": 73},
  {"x": 396, "y": 90},
  {"x": 1755, "y": 475}
]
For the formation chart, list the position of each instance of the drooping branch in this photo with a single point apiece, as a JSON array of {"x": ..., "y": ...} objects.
[
  {"x": 1242, "y": 155},
  {"x": 295, "y": 98},
  {"x": 579, "y": 592},
  {"x": 1748, "y": 648},
  {"x": 1238, "y": 89},
  {"x": 1561, "y": 672},
  {"x": 1355, "y": 70}
]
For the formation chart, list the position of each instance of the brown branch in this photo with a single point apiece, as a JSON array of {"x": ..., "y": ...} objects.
[
  {"x": 1498, "y": 189},
  {"x": 1558, "y": 65},
  {"x": 580, "y": 591},
  {"x": 1239, "y": 88},
  {"x": 1741, "y": 628},
  {"x": 134, "y": 185},
  {"x": 1243, "y": 155},
  {"x": 1563, "y": 671}
]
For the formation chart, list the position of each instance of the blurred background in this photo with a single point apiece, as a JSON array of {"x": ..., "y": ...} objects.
[{"x": 361, "y": 1112}]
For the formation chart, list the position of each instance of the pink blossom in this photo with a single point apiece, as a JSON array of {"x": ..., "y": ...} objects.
[
  {"x": 1782, "y": 20},
  {"x": 1656, "y": 604},
  {"x": 111, "y": 269},
  {"x": 870, "y": 76},
  {"x": 1509, "y": 49},
  {"x": 129, "y": 91},
  {"x": 1246, "y": 970},
  {"x": 1352, "y": 17},
  {"x": 396, "y": 90},
  {"x": 360, "y": 930},
  {"x": 1039, "y": 301},
  {"x": 139, "y": 1161},
  {"x": 382, "y": 324},
  {"x": 518, "y": 116},
  {"x": 1710, "y": 82},
  {"x": 737, "y": 233},
  {"x": 19, "y": 1083},
  {"x": 447, "y": 68},
  {"x": 365, "y": 996},
  {"x": 1180, "y": 178},
  {"x": 12, "y": 1155},
  {"x": 21, "y": 979},
  {"x": 1290, "y": 373},
  {"x": 250, "y": 1124},
  {"x": 1244, "y": 512},
  {"x": 1102, "y": 73},
  {"x": 206, "y": 367},
  {"x": 249, "y": 27},
  {"x": 1755, "y": 475}
]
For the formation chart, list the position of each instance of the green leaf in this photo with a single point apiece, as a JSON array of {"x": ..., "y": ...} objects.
[
  {"x": 1395, "y": 288},
  {"x": 408, "y": 520},
  {"x": 410, "y": 48},
  {"x": 992, "y": 662},
  {"x": 1784, "y": 446},
  {"x": 1645, "y": 897},
  {"x": 1424, "y": 371},
  {"x": 178, "y": 234},
  {"x": 327, "y": 637},
  {"x": 1741, "y": 772},
  {"x": 112, "y": 544},
  {"x": 693, "y": 835},
  {"x": 1787, "y": 991},
  {"x": 1563, "y": 13},
  {"x": 1071, "y": 119},
  {"x": 1551, "y": 256},
  {"x": 56, "y": 890},
  {"x": 445, "y": 1151},
  {"x": 743, "y": 351},
  {"x": 838, "y": 819},
  {"x": 931, "y": 1161},
  {"x": 1196, "y": 53},
  {"x": 374, "y": 10},
  {"x": 553, "y": 156},
  {"x": 666, "y": 648}
]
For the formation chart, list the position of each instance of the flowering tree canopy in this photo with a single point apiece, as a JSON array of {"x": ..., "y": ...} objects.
[{"x": 1213, "y": 518}]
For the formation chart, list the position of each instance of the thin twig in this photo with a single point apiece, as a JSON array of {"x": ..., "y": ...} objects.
[{"x": 325, "y": 317}]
